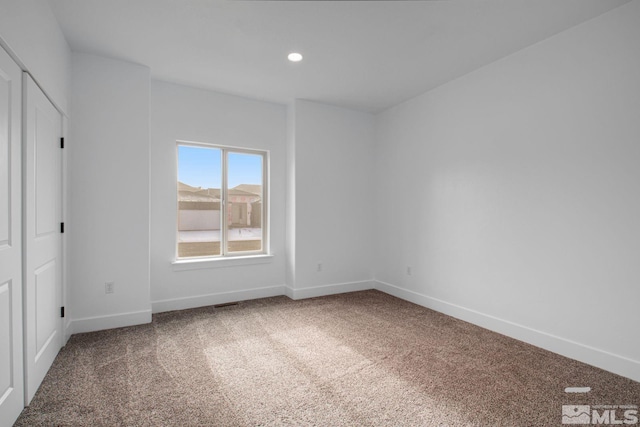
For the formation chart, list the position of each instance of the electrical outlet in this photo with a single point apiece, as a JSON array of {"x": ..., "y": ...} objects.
[
  {"x": 319, "y": 268},
  {"x": 109, "y": 287},
  {"x": 408, "y": 270}
]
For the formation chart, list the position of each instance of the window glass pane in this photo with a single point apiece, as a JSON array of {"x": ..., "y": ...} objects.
[
  {"x": 244, "y": 207},
  {"x": 199, "y": 218}
]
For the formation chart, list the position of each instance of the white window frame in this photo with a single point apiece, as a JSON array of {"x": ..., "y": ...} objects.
[{"x": 224, "y": 195}]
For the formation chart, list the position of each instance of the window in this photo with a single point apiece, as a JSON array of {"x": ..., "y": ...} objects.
[{"x": 222, "y": 201}]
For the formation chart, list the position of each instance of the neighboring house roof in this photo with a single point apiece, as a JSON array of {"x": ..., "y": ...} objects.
[
  {"x": 249, "y": 188},
  {"x": 187, "y": 193},
  {"x": 210, "y": 192},
  {"x": 235, "y": 192},
  {"x": 190, "y": 196},
  {"x": 184, "y": 187}
]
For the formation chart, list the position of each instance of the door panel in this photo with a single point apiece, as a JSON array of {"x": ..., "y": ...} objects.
[
  {"x": 42, "y": 239},
  {"x": 45, "y": 293},
  {"x": 5, "y": 158},
  {"x": 46, "y": 171},
  {"x": 6, "y": 351},
  {"x": 11, "y": 344}
]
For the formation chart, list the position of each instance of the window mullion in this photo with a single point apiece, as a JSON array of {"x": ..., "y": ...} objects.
[
  {"x": 225, "y": 206},
  {"x": 264, "y": 204}
]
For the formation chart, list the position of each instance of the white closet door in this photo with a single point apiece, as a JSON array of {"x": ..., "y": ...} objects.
[
  {"x": 42, "y": 237},
  {"x": 11, "y": 373}
]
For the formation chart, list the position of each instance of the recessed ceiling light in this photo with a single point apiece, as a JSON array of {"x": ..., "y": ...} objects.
[{"x": 295, "y": 57}]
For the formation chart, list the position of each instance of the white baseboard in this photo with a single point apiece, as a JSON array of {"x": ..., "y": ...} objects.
[
  {"x": 99, "y": 323},
  {"x": 337, "y": 288},
  {"x": 602, "y": 359},
  {"x": 217, "y": 298},
  {"x": 68, "y": 330},
  {"x": 129, "y": 319}
]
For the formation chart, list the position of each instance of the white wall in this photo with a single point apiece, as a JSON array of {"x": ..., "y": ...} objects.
[
  {"x": 109, "y": 193},
  {"x": 512, "y": 192},
  {"x": 31, "y": 32},
  {"x": 183, "y": 113},
  {"x": 334, "y": 210},
  {"x": 290, "y": 195}
]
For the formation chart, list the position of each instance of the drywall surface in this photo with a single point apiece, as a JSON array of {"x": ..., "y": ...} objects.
[
  {"x": 189, "y": 114},
  {"x": 290, "y": 195},
  {"x": 334, "y": 207},
  {"x": 512, "y": 192},
  {"x": 31, "y": 31},
  {"x": 109, "y": 193}
]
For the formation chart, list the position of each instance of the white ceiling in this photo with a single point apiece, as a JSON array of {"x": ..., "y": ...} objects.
[{"x": 357, "y": 54}]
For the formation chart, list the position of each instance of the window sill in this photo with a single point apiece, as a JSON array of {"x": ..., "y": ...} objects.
[{"x": 196, "y": 264}]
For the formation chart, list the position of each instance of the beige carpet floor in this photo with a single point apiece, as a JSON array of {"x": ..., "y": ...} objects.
[{"x": 358, "y": 359}]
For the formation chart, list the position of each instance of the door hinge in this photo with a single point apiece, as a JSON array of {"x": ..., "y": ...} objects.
[
  {"x": 61, "y": 311},
  {"x": 62, "y": 227},
  {"x": 61, "y": 142}
]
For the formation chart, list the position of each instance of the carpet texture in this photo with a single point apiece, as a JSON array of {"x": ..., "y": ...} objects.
[{"x": 357, "y": 359}]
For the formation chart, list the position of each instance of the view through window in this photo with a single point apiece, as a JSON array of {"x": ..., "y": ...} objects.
[{"x": 221, "y": 201}]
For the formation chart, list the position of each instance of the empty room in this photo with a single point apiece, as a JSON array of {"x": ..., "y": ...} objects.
[{"x": 319, "y": 213}]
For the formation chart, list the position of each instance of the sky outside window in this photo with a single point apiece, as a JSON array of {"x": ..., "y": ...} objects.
[
  {"x": 201, "y": 167},
  {"x": 244, "y": 169}
]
